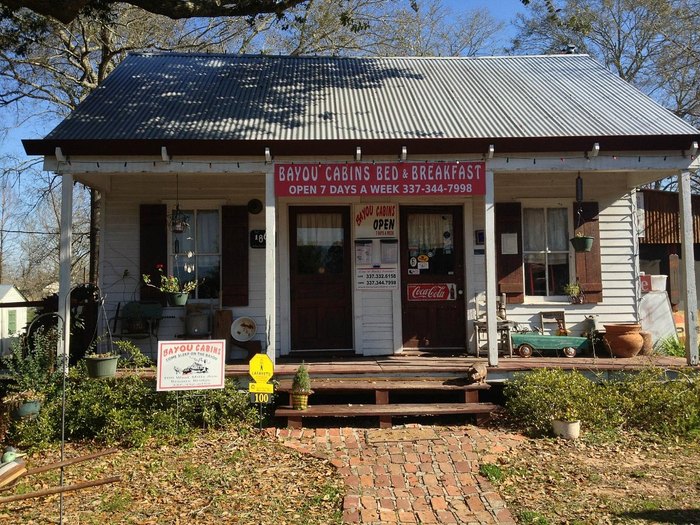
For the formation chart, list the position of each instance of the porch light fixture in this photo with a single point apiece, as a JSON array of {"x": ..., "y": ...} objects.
[
  {"x": 693, "y": 149},
  {"x": 358, "y": 154},
  {"x": 490, "y": 151},
  {"x": 594, "y": 151},
  {"x": 404, "y": 153},
  {"x": 178, "y": 219},
  {"x": 60, "y": 157},
  {"x": 164, "y": 154},
  {"x": 268, "y": 156}
]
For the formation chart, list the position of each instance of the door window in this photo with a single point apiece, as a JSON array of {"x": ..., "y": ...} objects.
[
  {"x": 320, "y": 240},
  {"x": 430, "y": 244}
]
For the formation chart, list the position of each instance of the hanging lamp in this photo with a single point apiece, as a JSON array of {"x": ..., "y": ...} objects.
[{"x": 178, "y": 219}]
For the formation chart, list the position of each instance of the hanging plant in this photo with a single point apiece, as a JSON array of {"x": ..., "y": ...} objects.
[{"x": 581, "y": 243}]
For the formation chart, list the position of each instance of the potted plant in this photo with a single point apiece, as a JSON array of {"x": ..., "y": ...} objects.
[
  {"x": 581, "y": 242},
  {"x": 567, "y": 421},
  {"x": 101, "y": 365},
  {"x": 30, "y": 367},
  {"x": 176, "y": 291},
  {"x": 301, "y": 388},
  {"x": 573, "y": 290}
]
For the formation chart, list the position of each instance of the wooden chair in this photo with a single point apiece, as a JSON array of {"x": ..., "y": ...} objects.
[
  {"x": 553, "y": 323},
  {"x": 502, "y": 325}
]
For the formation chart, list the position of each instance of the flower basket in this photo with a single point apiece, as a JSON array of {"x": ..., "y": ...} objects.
[
  {"x": 300, "y": 400},
  {"x": 581, "y": 243},
  {"x": 101, "y": 366},
  {"x": 178, "y": 298}
]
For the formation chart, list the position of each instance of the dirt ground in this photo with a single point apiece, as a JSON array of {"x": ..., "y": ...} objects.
[{"x": 603, "y": 479}]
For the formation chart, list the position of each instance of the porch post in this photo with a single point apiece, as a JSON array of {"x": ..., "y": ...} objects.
[
  {"x": 64, "y": 258},
  {"x": 490, "y": 255},
  {"x": 690, "y": 298},
  {"x": 270, "y": 263}
]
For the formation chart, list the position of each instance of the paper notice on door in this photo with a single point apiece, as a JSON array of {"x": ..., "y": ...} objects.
[{"x": 509, "y": 244}]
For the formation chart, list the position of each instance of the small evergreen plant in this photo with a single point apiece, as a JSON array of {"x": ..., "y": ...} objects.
[{"x": 301, "y": 384}]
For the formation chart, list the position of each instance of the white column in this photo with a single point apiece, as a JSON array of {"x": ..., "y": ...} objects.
[
  {"x": 64, "y": 279},
  {"x": 690, "y": 298},
  {"x": 490, "y": 255},
  {"x": 270, "y": 263}
]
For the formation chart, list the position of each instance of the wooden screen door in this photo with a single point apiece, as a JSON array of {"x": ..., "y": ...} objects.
[
  {"x": 432, "y": 269},
  {"x": 321, "y": 293}
]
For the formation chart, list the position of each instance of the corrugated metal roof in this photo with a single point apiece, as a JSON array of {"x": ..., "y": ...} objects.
[{"x": 238, "y": 97}]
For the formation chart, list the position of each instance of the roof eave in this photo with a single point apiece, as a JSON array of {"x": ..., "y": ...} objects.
[{"x": 415, "y": 146}]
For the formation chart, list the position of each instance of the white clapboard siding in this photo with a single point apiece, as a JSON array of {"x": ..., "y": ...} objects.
[
  {"x": 119, "y": 274},
  {"x": 616, "y": 242}
]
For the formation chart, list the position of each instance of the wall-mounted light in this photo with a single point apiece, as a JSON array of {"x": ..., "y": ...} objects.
[
  {"x": 594, "y": 151},
  {"x": 490, "y": 151},
  {"x": 164, "y": 154},
  {"x": 358, "y": 154},
  {"x": 60, "y": 157},
  {"x": 268, "y": 156},
  {"x": 404, "y": 153}
]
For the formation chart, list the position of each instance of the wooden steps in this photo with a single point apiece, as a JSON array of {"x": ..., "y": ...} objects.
[
  {"x": 384, "y": 412},
  {"x": 383, "y": 408}
]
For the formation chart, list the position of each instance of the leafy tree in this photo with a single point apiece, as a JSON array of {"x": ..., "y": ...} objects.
[{"x": 653, "y": 44}]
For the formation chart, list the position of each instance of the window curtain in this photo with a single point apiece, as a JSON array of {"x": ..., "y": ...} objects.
[
  {"x": 319, "y": 229},
  {"x": 429, "y": 231}
]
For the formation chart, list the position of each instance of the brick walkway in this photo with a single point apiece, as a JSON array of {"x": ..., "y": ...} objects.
[{"x": 412, "y": 474}]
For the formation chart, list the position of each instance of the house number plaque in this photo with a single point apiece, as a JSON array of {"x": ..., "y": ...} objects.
[{"x": 257, "y": 238}]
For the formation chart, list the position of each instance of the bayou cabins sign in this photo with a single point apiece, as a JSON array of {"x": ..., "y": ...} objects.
[
  {"x": 191, "y": 365},
  {"x": 387, "y": 179}
]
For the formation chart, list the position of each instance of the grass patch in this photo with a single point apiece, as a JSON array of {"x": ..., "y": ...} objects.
[{"x": 491, "y": 472}]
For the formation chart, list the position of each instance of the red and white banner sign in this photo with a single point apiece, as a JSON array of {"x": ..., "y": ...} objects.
[
  {"x": 381, "y": 178},
  {"x": 431, "y": 292}
]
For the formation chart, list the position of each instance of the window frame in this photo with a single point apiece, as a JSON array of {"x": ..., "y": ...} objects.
[{"x": 544, "y": 204}]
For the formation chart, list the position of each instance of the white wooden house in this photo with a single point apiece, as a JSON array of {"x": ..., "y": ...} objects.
[
  {"x": 13, "y": 318},
  {"x": 392, "y": 191}
]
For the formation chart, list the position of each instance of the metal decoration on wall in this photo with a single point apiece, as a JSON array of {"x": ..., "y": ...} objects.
[
  {"x": 178, "y": 220},
  {"x": 254, "y": 206}
]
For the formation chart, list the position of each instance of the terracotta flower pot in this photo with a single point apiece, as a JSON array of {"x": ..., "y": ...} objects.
[{"x": 624, "y": 340}]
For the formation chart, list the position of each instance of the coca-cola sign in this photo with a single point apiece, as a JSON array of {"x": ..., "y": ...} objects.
[{"x": 431, "y": 292}]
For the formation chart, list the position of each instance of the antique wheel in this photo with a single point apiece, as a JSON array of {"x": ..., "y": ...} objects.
[
  {"x": 569, "y": 351},
  {"x": 525, "y": 350}
]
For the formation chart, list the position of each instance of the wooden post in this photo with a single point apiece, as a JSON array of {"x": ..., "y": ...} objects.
[
  {"x": 490, "y": 252},
  {"x": 64, "y": 279},
  {"x": 690, "y": 299},
  {"x": 270, "y": 263}
]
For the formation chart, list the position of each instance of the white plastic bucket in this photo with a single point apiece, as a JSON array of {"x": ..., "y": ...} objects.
[{"x": 658, "y": 283}]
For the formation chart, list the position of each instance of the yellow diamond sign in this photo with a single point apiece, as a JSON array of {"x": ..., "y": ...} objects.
[{"x": 261, "y": 368}]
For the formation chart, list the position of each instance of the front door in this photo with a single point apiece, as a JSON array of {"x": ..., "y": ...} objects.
[
  {"x": 432, "y": 268},
  {"x": 321, "y": 293}
]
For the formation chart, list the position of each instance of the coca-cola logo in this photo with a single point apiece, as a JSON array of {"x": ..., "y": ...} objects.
[{"x": 429, "y": 292}]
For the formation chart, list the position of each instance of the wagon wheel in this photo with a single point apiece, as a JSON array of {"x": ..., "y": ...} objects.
[
  {"x": 525, "y": 350},
  {"x": 569, "y": 351}
]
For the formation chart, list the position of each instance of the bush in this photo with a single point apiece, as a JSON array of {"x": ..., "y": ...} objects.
[
  {"x": 535, "y": 398},
  {"x": 128, "y": 410},
  {"x": 649, "y": 400}
]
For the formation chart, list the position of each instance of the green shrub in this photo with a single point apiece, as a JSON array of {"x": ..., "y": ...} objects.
[
  {"x": 534, "y": 399},
  {"x": 670, "y": 346},
  {"x": 128, "y": 410},
  {"x": 648, "y": 400}
]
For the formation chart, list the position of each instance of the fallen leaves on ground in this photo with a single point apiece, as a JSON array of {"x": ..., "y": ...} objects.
[
  {"x": 233, "y": 476},
  {"x": 628, "y": 478}
]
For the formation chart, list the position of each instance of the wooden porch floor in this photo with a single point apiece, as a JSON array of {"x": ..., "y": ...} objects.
[{"x": 415, "y": 366}]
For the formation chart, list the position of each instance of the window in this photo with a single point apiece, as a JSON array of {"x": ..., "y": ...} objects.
[
  {"x": 320, "y": 241},
  {"x": 11, "y": 322},
  {"x": 196, "y": 253},
  {"x": 545, "y": 250}
]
